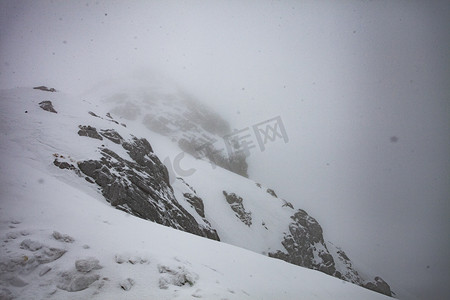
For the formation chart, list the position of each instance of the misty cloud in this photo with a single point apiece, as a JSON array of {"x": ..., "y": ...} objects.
[{"x": 361, "y": 87}]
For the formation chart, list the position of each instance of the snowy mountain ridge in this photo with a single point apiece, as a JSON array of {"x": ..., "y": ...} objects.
[{"x": 91, "y": 151}]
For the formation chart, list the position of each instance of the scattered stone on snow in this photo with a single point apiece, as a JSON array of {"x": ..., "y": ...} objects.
[{"x": 47, "y": 106}]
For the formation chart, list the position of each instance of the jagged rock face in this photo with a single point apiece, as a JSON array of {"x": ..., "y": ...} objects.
[
  {"x": 380, "y": 286},
  {"x": 140, "y": 187},
  {"x": 196, "y": 202},
  {"x": 238, "y": 207},
  {"x": 345, "y": 269},
  {"x": 112, "y": 135},
  {"x": 305, "y": 246}
]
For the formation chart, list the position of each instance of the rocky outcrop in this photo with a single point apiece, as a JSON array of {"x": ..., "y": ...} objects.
[
  {"x": 272, "y": 192},
  {"x": 44, "y": 88},
  {"x": 89, "y": 132},
  {"x": 65, "y": 165},
  {"x": 141, "y": 186},
  {"x": 112, "y": 135},
  {"x": 348, "y": 273},
  {"x": 344, "y": 266},
  {"x": 380, "y": 286},
  {"x": 238, "y": 207},
  {"x": 47, "y": 106},
  {"x": 287, "y": 204},
  {"x": 305, "y": 246},
  {"x": 196, "y": 202}
]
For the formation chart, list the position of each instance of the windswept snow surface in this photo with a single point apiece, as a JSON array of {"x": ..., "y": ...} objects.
[{"x": 61, "y": 240}]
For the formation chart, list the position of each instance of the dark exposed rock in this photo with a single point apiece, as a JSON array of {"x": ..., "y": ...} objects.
[
  {"x": 66, "y": 165},
  {"x": 109, "y": 116},
  {"x": 343, "y": 255},
  {"x": 196, "y": 202},
  {"x": 94, "y": 114},
  {"x": 237, "y": 164},
  {"x": 238, "y": 207},
  {"x": 63, "y": 165},
  {"x": 89, "y": 132},
  {"x": 305, "y": 246},
  {"x": 140, "y": 150},
  {"x": 187, "y": 184},
  {"x": 48, "y": 106},
  {"x": 141, "y": 187},
  {"x": 287, "y": 204},
  {"x": 380, "y": 286},
  {"x": 272, "y": 192},
  {"x": 346, "y": 270},
  {"x": 111, "y": 135},
  {"x": 264, "y": 225},
  {"x": 44, "y": 271},
  {"x": 44, "y": 88}
]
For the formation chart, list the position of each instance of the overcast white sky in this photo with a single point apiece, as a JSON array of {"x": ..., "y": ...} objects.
[{"x": 345, "y": 78}]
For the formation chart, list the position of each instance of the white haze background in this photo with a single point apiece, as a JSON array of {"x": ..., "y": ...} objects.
[{"x": 362, "y": 88}]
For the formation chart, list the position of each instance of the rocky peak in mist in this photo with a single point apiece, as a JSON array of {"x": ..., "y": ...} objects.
[
  {"x": 196, "y": 128},
  {"x": 217, "y": 205}
]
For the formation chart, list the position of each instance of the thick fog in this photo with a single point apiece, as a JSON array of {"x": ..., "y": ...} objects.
[{"x": 362, "y": 89}]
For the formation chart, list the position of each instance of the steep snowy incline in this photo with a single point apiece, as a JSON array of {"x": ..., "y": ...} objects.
[
  {"x": 243, "y": 212},
  {"x": 113, "y": 157},
  {"x": 61, "y": 240}
]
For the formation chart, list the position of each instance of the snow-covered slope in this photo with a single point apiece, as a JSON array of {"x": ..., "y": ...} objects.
[{"x": 59, "y": 235}]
